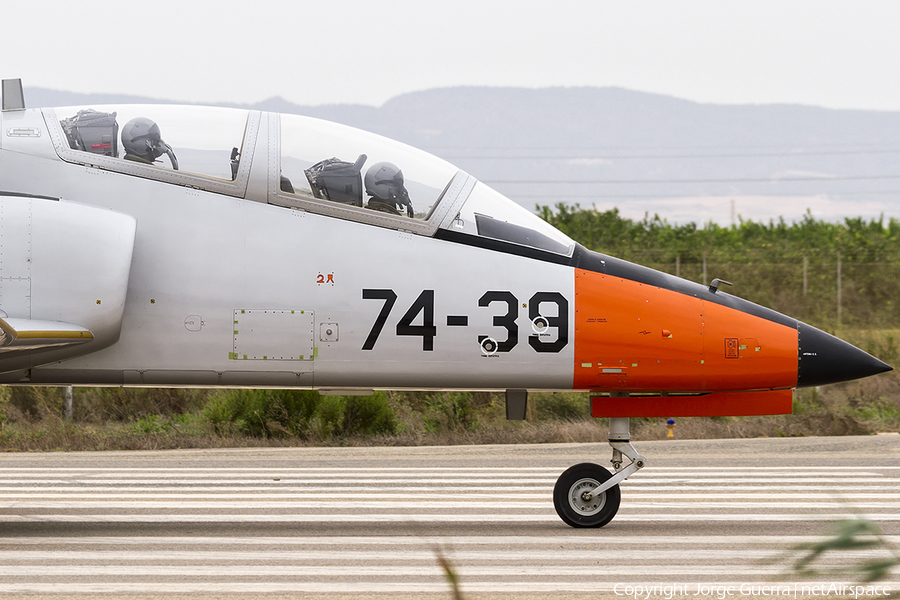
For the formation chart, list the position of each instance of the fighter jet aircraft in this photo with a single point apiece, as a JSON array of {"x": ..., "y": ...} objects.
[{"x": 185, "y": 246}]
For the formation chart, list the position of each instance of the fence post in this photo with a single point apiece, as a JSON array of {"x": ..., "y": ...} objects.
[
  {"x": 677, "y": 266},
  {"x": 839, "y": 288},
  {"x": 68, "y": 403},
  {"x": 805, "y": 267}
]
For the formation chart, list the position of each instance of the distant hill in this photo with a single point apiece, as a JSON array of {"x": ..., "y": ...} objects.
[{"x": 643, "y": 152}]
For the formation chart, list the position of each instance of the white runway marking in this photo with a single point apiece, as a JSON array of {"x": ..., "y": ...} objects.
[{"x": 277, "y": 502}]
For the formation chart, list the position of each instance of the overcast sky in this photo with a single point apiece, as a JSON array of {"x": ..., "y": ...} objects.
[{"x": 823, "y": 52}]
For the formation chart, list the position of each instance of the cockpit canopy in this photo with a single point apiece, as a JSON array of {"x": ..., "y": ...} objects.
[
  {"x": 316, "y": 166},
  {"x": 206, "y": 140},
  {"x": 324, "y": 160}
]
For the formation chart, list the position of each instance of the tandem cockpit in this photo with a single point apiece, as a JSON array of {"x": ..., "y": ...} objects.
[{"x": 301, "y": 163}]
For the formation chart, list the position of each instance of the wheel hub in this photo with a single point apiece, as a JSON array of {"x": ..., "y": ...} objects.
[{"x": 583, "y": 500}]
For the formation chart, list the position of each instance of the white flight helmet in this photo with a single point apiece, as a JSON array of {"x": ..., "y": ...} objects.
[
  {"x": 141, "y": 137},
  {"x": 385, "y": 182}
]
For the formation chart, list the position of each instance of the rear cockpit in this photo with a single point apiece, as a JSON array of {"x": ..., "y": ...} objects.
[
  {"x": 207, "y": 141},
  {"x": 302, "y": 163}
]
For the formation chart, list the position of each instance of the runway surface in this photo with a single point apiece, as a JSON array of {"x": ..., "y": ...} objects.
[{"x": 371, "y": 522}]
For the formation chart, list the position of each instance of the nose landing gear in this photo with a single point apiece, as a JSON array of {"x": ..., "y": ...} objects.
[{"x": 587, "y": 495}]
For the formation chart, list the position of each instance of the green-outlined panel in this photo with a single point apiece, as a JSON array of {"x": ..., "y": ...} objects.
[{"x": 266, "y": 334}]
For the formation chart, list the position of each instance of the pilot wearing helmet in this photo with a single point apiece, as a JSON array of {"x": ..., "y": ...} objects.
[
  {"x": 143, "y": 143},
  {"x": 384, "y": 184}
]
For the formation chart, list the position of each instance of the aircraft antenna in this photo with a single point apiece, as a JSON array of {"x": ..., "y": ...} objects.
[{"x": 714, "y": 286}]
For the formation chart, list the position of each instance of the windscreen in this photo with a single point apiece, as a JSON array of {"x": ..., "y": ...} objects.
[{"x": 488, "y": 213}]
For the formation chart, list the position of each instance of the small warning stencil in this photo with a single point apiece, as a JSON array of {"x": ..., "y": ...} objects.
[{"x": 731, "y": 348}]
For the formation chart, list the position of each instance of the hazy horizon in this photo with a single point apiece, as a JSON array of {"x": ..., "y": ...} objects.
[{"x": 644, "y": 154}]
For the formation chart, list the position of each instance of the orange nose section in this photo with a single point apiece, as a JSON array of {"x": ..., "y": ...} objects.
[{"x": 635, "y": 337}]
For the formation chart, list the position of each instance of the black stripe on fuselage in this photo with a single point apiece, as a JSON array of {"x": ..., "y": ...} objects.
[{"x": 588, "y": 260}]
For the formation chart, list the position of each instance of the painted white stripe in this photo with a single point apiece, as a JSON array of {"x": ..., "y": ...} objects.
[
  {"x": 283, "y": 480},
  {"x": 275, "y": 488},
  {"x": 808, "y": 472},
  {"x": 360, "y": 502},
  {"x": 357, "y": 588},
  {"x": 637, "y": 479},
  {"x": 769, "y": 541},
  {"x": 787, "y": 504},
  {"x": 548, "y": 517},
  {"x": 651, "y": 486},
  {"x": 368, "y": 504},
  {"x": 320, "y": 572},
  {"x": 436, "y": 494},
  {"x": 375, "y": 469},
  {"x": 349, "y": 556},
  {"x": 532, "y": 558},
  {"x": 868, "y": 471},
  {"x": 363, "y": 501}
]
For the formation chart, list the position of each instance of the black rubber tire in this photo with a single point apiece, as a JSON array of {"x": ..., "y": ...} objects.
[{"x": 596, "y": 513}]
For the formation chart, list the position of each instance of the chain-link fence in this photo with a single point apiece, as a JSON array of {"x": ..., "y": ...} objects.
[{"x": 824, "y": 291}]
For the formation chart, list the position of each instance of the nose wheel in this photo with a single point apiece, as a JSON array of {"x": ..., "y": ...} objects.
[
  {"x": 575, "y": 500},
  {"x": 587, "y": 495}
]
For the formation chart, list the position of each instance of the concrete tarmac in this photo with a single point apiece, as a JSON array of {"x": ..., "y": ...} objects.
[{"x": 703, "y": 519}]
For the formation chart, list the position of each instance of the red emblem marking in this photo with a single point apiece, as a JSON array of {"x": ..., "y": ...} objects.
[{"x": 731, "y": 348}]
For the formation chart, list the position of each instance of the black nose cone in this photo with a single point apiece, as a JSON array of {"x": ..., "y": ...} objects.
[{"x": 823, "y": 358}]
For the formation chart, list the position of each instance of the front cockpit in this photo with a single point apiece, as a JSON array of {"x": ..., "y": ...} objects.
[
  {"x": 408, "y": 188},
  {"x": 322, "y": 161}
]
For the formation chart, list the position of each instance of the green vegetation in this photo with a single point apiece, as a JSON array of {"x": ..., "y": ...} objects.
[
  {"x": 31, "y": 418},
  {"x": 747, "y": 241},
  {"x": 298, "y": 413},
  {"x": 830, "y": 275},
  {"x": 793, "y": 268}
]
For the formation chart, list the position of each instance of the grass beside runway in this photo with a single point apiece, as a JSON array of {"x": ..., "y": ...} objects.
[{"x": 31, "y": 419}]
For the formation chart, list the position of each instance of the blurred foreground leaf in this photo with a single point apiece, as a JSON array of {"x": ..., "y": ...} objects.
[
  {"x": 850, "y": 537},
  {"x": 449, "y": 573}
]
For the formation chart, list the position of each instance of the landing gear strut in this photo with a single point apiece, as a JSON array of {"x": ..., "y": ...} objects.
[{"x": 587, "y": 495}]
